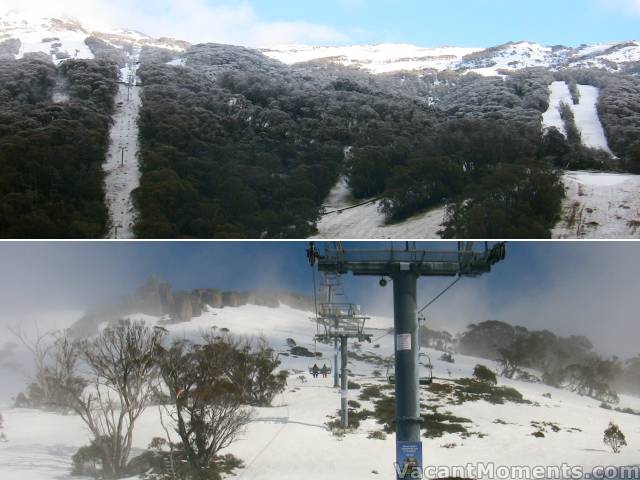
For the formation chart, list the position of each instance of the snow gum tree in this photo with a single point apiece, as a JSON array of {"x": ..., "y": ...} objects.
[
  {"x": 120, "y": 370},
  {"x": 614, "y": 438},
  {"x": 208, "y": 411},
  {"x": 3, "y": 437}
]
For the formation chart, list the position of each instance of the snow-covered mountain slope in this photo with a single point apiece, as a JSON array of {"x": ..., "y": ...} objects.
[
  {"x": 347, "y": 218},
  {"x": 375, "y": 58},
  {"x": 290, "y": 439},
  {"x": 600, "y": 205},
  {"x": 64, "y": 38},
  {"x": 511, "y": 56}
]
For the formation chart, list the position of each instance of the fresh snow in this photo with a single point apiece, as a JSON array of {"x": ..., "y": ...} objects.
[
  {"x": 585, "y": 113},
  {"x": 512, "y": 57},
  {"x": 559, "y": 94},
  {"x": 382, "y": 58},
  {"x": 366, "y": 221},
  {"x": 600, "y": 206},
  {"x": 386, "y": 58},
  {"x": 121, "y": 166},
  {"x": 67, "y": 36},
  {"x": 289, "y": 440},
  {"x": 587, "y": 119}
]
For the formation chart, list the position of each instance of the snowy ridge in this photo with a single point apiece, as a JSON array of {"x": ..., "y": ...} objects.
[
  {"x": 64, "y": 38},
  {"x": 386, "y": 58},
  {"x": 290, "y": 440},
  {"x": 374, "y": 58}
]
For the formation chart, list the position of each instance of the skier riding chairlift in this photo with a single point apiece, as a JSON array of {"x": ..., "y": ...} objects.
[
  {"x": 325, "y": 371},
  {"x": 315, "y": 370}
]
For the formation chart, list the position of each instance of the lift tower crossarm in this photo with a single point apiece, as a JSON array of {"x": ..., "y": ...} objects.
[{"x": 423, "y": 263}]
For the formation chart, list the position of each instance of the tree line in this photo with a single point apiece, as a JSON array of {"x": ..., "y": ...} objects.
[{"x": 568, "y": 362}]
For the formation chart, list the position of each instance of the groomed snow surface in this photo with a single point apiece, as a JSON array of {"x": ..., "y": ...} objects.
[
  {"x": 366, "y": 221},
  {"x": 585, "y": 112},
  {"x": 290, "y": 441},
  {"x": 121, "y": 166},
  {"x": 559, "y": 93},
  {"x": 600, "y": 205}
]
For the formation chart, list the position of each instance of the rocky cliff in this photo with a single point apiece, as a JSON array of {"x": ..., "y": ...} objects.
[{"x": 158, "y": 299}]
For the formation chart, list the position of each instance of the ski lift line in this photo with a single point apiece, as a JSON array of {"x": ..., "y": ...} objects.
[
  {"x": 382, "y": 336},
  {"x": 340, "y": 210},
  {"x": 423, "y": 308},
  {"x": 440, "y": 295},
  {"x": 315, "y": 304},
  {"x": 270, "y": 442}
]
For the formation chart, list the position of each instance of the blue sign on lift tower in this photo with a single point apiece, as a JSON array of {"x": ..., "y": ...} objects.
[{"x": 409, "y": 459}]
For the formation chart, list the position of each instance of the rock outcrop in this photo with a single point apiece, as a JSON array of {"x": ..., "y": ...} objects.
[{"x": 158, "y": 299}]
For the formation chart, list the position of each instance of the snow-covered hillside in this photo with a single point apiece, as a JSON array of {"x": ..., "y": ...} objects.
[
  {"x": 347, "y": 218},
  {"x": 600, "y": 205},
  {"x": 290, "y": 439},
  {"x": 485, "y": 61},
  {"x": 382, "y": 58},
  {"x": 63, "y": 38}
]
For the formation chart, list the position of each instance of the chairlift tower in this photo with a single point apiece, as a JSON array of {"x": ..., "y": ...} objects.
[
  {"x": 330, "y": 289},
  {"x": 404, "y": 266},
  {"x": 340, "y": 322}
]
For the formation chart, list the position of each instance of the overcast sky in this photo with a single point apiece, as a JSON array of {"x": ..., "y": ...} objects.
[
  {"x": 569, "y": 288},
  {"x": 474, "y": 23}
]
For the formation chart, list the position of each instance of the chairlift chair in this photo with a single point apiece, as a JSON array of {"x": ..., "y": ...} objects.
[{"x": 426, "y": 379}]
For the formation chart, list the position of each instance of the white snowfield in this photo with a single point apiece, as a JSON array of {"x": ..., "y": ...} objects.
[
  {"x": 587, "y": 119},
  {"x": 383, "y": 58},
  {"x": 290, "y": 440},
  {"x": 600, "y": 205},
  {"x": 366, "y": 221},
  {"x": 121, "y": 165},
  {"x": 64, "y": 38},
  {"x": 559, "y": 93},
  {"x": 585, "y": 112}
]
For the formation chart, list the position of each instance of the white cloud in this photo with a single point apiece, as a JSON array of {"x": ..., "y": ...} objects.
[
  {"x": 192, "y": 20},
  {"x": 629, "y": 6}
]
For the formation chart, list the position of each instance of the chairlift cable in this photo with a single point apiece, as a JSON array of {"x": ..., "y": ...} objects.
[
  {"x": 382, "y": 336},
  {"x": 440, "y": 295},
  {"x": 315, "y": 304}
]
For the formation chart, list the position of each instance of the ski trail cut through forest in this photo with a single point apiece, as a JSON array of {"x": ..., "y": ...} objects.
[
  {"x": 121, "y": 166},
  {"x": 585, "y": 112}
]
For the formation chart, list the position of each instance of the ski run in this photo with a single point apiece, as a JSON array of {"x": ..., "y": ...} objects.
[
  {"x": 347, "y": 218},
  {"x": 121, "y": 166}
]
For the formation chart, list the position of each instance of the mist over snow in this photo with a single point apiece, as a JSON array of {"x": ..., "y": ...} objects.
[{"x": 569, "y": 288}]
